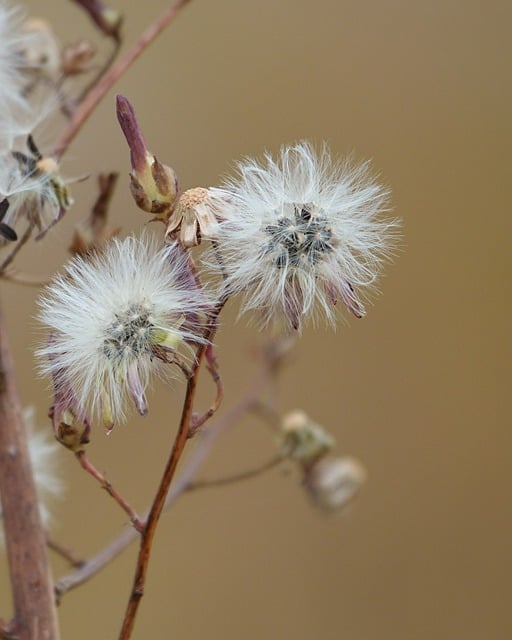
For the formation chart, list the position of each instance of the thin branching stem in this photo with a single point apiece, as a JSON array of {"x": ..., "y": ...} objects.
[
  {"x": 87, "y": 465},
  {"x": 64, "y": 552},
  {"x": 264, "y": 380},
  {"x": 236, "y": 477},
  {"x": 213, "y": 369},
  {"x": 25, "y": 279},
  {"x": 18, "y": 246},
  {"x": 92, "y": 99}
]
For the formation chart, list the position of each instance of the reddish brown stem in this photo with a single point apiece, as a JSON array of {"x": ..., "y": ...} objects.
[
  {"x": 105, "y": 484},
  {"x": 32, "y": 589},
  {"x": 97, "y": 92},
  {"x": 163, "y": 489},
  {"x": 213, "y": 368}
]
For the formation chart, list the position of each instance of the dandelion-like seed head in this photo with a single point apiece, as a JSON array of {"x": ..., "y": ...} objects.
[
  {"x": 115, "y": 319},
  {"x": 302, "y": 233}
]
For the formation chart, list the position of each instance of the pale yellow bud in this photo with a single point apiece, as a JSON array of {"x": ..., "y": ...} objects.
[
  {"x": 303, "y": 440},
  {"x": 154, "y": 187}
]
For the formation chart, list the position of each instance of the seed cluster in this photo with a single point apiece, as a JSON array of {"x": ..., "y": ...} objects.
[
  {"x": 299, "y": 239},
  {"x": 129, "y": 335}
]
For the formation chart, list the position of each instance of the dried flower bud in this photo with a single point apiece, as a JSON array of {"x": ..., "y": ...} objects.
[
  {"x": 154, "y": 186},
  {"x": 75, "y": 58},
  {"x": 302, "y": 439},
  {"x": 107, "y": 20},
  {"x": 69, "y": 431},
  {"x": 333, "y": 482},
  {"x": 193, "y": 217}
]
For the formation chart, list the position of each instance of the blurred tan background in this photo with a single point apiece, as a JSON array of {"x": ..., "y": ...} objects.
[{"x": 416, "y": 390}]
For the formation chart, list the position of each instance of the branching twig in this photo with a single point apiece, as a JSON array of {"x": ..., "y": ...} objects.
[
  {"x": 97, "y": 92},
  {"x": 213, "y": 368},
  {"x": 13, "y": 275},
  {"x": 105, "y": 484},
  {"x": 237, "y": 477},
  {"x": 272, "y": 359},
  {"x": 18, "y": 246},
  {"x": 65, "y": 553}
]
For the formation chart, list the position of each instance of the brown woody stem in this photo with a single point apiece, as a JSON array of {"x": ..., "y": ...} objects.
[{"x": 32, "y": 589}]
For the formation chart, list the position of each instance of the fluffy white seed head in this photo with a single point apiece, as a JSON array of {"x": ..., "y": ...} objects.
[
  {"x": 44, "y": 453},
  {"x": 115, "y": 319},
  {"x": 301, "y": 233}
]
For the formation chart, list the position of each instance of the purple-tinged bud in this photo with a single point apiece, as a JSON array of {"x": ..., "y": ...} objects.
[{"x": 154, "y": 186}]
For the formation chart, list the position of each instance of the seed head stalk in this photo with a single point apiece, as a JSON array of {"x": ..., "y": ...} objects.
[{"x": 167, "y": 477}]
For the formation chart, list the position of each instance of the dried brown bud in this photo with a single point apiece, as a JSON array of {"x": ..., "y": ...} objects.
[
  {"x": 193, "y": 217},
  {"x": 93, "y": 233},
  {"x": 70, "y": 432},
  {"x": 75, "y": 58},
  {"x": 154, "y": 186},
  {"x": 70, "y": 429}
]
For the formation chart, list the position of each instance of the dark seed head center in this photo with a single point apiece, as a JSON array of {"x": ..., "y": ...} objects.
[
  {"x": 129, "y": 335},
  {"x": 300, "y": 237}
]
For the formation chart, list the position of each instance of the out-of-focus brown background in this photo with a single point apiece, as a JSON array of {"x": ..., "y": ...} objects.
[{"x": 417, "y": 390}]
